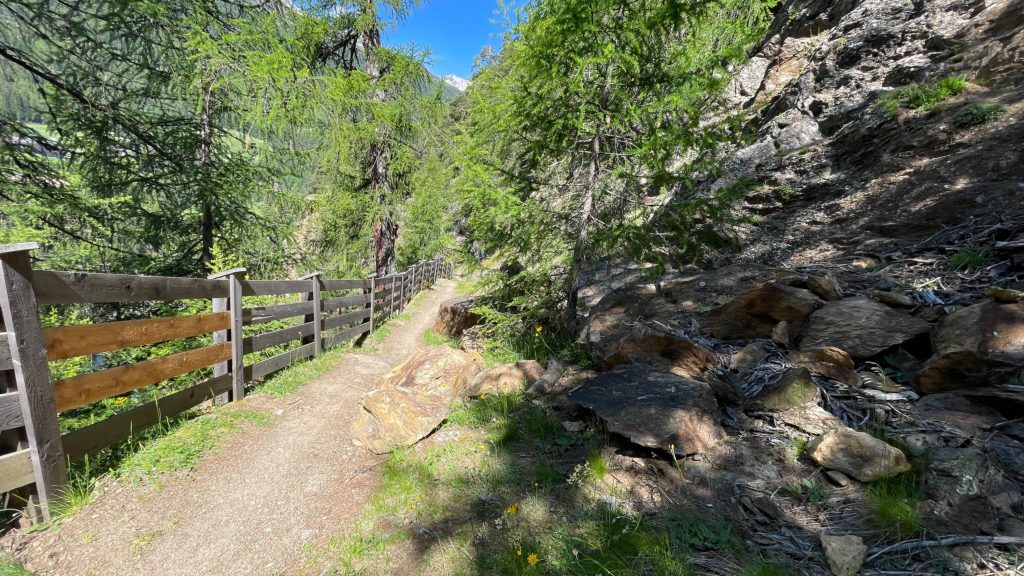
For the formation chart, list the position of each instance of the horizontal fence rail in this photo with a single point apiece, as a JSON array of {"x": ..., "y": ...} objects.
[{"x": 234, "y": 344}]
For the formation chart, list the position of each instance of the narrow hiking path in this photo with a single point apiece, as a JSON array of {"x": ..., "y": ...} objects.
[{"x": 253, "y": 505}]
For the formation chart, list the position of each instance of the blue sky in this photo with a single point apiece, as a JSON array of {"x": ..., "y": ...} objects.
[{"x": 454, "y": 31}]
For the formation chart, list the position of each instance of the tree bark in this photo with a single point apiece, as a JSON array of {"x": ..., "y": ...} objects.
[
  {"x": 205, "y": 157},
  {"x": 385, "y": 227}
]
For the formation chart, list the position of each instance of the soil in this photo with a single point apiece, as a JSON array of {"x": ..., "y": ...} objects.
[{"x": 256, "y": 503}]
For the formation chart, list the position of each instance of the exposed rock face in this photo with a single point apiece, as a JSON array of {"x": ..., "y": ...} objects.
[
  {"x": 412, "y": 399},
  {"x": 654, "y": 408},
  {"x": 976, "y": 346},
  {"x": 754, "y": 314},
  {"x": 677, "y": 355},
  {"x": 795, "y": 388},
  {"x": 455, "y": 316},
  {"x": 860, "y": 326},
  {"x": 505, "y": 378},
  {"x": 845, "y": 554},
  {"x": 857, "y": 454}
]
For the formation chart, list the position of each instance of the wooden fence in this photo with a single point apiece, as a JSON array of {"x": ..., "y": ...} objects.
[{"x": 332, "y": 312}]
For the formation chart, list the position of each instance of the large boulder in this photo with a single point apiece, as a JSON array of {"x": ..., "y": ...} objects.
[
  {"x": 754, "y": 314},
  {"x": 857, "y": 454},
  {"x": 506, "y": 378},
  {"x": 679, "y": 356},
  {"x": 980, "y": 345},
  {"x": 860, "y": 326},
  {"x": 412, "y": 399},
  {"x": 654, "y": 408},
  {"x": 454, "y": 316},
  {"x": 795, "y": 388}
]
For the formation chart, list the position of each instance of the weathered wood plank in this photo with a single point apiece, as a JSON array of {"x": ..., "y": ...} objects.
[
  {"x": 345, "y": 335},
  {"x": 10, "y": 412},
  {"x": 275, "y": 287},
  {"x": 235, "y": 342},
  {"x": 71, "y": 341},
  {"x": 316, "y": 317},
  {"x": 88, "y": 287},
  {"x": 95, "y": 437},
  {"x": 341, "y": 319},
  {"x": 346, "y": 285},
  {"x": 89, "y": 388},
  {"x": 331, "y": 304},
  {"x": 5, "y": 352},
  {"x": 264, "y": 341},
  {"x": 20, "y": 312},
  {"x": 16, "y": 470},
  {"x": 264, "y": 314},
  {"x": 271, "y": 365},
  {"x": 220, "y": 337}
]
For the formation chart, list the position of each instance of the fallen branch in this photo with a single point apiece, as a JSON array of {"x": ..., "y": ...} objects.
[{"x": 944, "y": 541}]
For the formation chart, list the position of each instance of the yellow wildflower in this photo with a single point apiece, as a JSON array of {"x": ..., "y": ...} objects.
[
  {"x": 511, "y": 510},
  {"x": 519, "y": 551},
  {"x": 532, "y": 559}
]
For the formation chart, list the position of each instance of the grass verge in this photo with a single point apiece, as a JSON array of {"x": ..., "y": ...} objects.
[{"x": 922, "y": 97}]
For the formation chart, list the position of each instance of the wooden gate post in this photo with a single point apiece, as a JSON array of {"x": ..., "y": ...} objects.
[
  {"x": 316, "y": 316},
  {"x": 373, "y": 299},
  {"x": 402, "y": 297},
  {"x": 233, "y": 303},
  {"x": 20, "y": 320}
]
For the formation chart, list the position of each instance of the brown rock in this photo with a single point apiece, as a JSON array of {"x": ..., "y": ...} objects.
[
  {"x": 785, "y": 333},
  {"x": 505, "y": 378},
  {"x": 454, "y": 316},
  {"x": 810, "y": 418},
  {"x": 845, "y": 554},
  {"x": 677, "y": 355},
  {"x": 857, "y": 454},
  {"x": 860, "y": 326},
  {"x": 893, "y": 299},
  {"x": 755, "y": 313},
  {"x": 829, "y": 362},
  {"x": 1004, "y": 294},
  {"x": 795, "y": 388},
  {"x": 825, "y": 286},
  {"x": 472, "y": 340},
  {"x": 976, "y": 346},
  {"x": 412, "y": 399},
  {"x": 749, "y": 356},
  {"x": 654, "y": 408}
]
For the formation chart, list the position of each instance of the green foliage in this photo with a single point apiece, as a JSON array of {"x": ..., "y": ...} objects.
[
  {"x": 970, "y": 259},
  {"x": 431, "y": 338},
  {"x": 894, "y": 504},
  {"x": 9, "y": 567},
  {"x": 979, "y": 113},
  {"x": 809, "y": 490},
  {"x": 922, "y": 97}
]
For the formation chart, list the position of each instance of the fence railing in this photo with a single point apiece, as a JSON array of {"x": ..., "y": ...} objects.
[{"x": 37, "y": 454}]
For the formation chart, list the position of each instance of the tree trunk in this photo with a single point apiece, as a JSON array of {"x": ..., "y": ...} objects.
[
  {"x": 205, "y": 157},
  {"x": 385, "y": 228}
]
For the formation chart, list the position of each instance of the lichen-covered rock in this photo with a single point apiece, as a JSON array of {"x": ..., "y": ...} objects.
[
  {"x": 654, "y": 408},
  {"x": 677, "y": 355},
  {"x": 755, "y": 313},
  {"x": 857, "y": 454},
  {"x": 412, "y": 399},
  {"x": 860, "y": 326},
  {"x": 845, "y": 554},
  {"x": 454, "y": 316},
  {"x": 795, "y": 388},
  {"x": 976, "y": 346},
  {"x": 506, "y": 378}
]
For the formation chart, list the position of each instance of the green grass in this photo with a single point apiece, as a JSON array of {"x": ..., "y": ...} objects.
[
  {"x": 9, "y": 567},
  {"x": 799, "y": 447},
  {"x": 513, "y": 487},
  {"x": 297, "y": 375},
  {"x": 894, "y": 504},
  {"x": 922, "y": 97},
  {"x": 182, "y": 447},
  {"x": 978, "y": 113},
  {"x": 970, "y": 259},
  {"x": 431, "y": 338},
  {"x": 809, "y": 490}
]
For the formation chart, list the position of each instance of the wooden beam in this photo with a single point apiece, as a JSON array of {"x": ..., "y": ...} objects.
[
  {"x": 264, "y": 341},
  {"x": 271, "y": 365},
  {"x": 95, "y": 437},
  {"x": 333, "y": 285},
  {"x": 20, "y": 312},
  {"x": 93, "y": 387},
  {"x": 333, "y": 340},
  {"x": 10, "y": 412},
  {"x": 92, "y": 288},
  {"x": 264, "y": 314},
  {"x": 16, "y": 470},
  {"x": 275, "y": 287},
  {"x": 340, "y": 320},
  {"x": 316, "y": 318},
  {"x": 331, "y": 304},
  {"x": 236, "y": 338},
  {"x": 71, "y": 341}
]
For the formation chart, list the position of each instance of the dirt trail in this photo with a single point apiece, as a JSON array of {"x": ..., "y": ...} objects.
[{"x": 253, "y": 505}]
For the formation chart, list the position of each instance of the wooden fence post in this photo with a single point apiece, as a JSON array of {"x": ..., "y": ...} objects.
[
  {"x": 234, "y": 304},
  {"x": 20, "y": 317},
  {"x": 402, "y": 297},
  {"x": 373, "y": 298},
  {"x": 316, "y": 316}
]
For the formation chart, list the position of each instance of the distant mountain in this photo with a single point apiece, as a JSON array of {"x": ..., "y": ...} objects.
[{"x": 454, "y": 81}]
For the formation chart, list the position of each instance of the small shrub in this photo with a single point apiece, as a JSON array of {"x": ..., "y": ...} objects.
[
  {"x": 894, "y": 503},
  {"x": 799, "y": 447},
  {"x": 809, "y": 490},
  {"x": 922, "y": 97},
  {"x": 970, "y": 259},
  {"x": 978, "y": 113}
]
